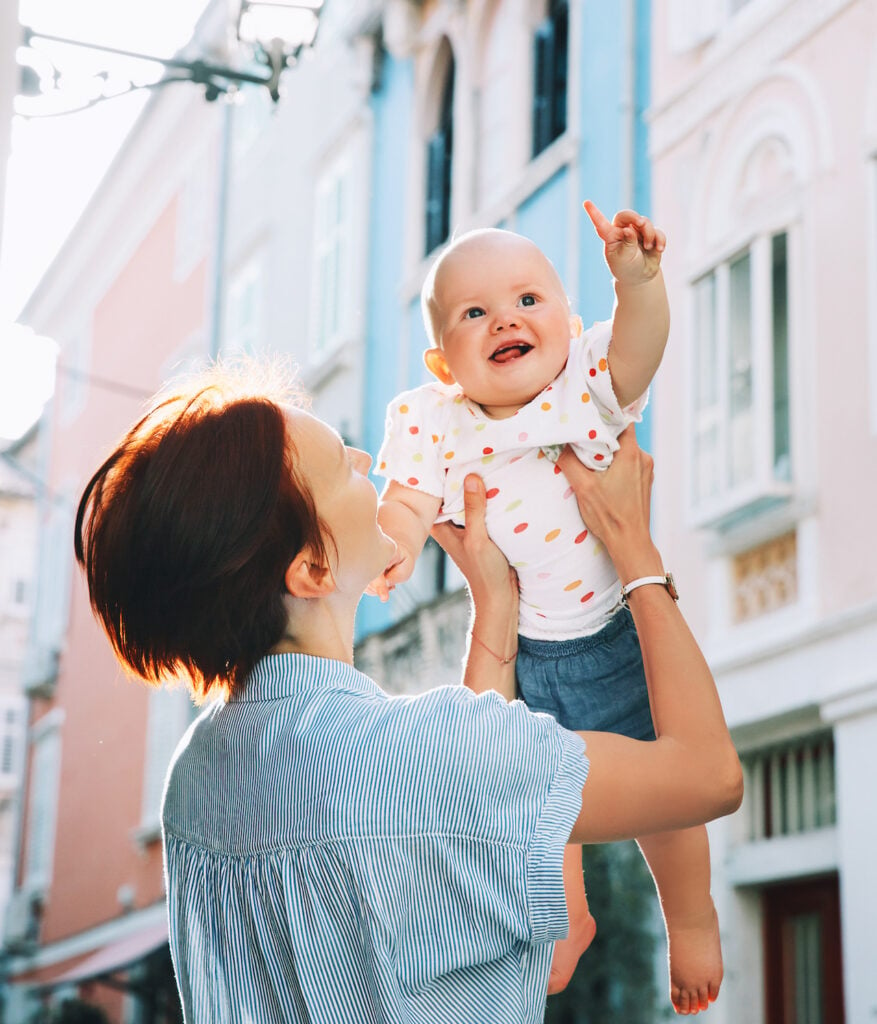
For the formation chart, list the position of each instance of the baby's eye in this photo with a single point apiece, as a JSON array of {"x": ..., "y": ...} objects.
[
  {"x": 473, "y": 313},
  {"x": 527, "y": 300}
]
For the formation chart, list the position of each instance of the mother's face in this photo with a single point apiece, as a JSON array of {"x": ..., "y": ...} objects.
[{"x": 345, "y": 499}]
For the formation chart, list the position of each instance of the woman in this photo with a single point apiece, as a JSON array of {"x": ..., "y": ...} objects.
[{"x": 332, "y": 853}]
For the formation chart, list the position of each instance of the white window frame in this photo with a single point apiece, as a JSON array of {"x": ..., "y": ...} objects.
[
  {"x": 333, "y": 248},
  {"x": 691, "y": 23},
  {"x": 13, "y": 717},
  {"x": 763, "y": 490},
  {"x": 496, "y": 174},
  {"x": 245, "y": 309},
  {"x": 171, "y": 712},
  {"x": 42, "y": 807}
]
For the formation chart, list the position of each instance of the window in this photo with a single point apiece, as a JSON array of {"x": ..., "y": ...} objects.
[
  {"x": 550, "y": 74},
  {"x": 790, "y": 788},
  {"x": 244, "y": 310},
  {"x": 45, "y": 777},
  {"x": 741, "y": 456},
  {"x": 332, "y": 258},
  {"x": 439, "y": 157},
  {"x": 170, "y": 714}
]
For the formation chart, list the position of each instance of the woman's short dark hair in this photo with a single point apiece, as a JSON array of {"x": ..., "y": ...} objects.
[{"x": 185, "y": 533}]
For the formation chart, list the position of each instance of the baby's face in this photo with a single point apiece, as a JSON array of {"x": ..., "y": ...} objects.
[{"x": 504, "y": 322}]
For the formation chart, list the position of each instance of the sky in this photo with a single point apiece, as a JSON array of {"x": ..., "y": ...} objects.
[{"x": 57, "y": 163}]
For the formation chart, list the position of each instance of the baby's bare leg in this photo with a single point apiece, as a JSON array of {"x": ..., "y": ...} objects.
[
  {"x": 582, "y": 926},
  {"x": 680, "y": 864}
]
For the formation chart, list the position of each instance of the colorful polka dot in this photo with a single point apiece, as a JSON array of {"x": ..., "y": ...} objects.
[
  {"x": 414, "y": 430},
  {"x": 413, "y": 481},
  {"x": 383, "y": 465},
  {"x": 417, "y": 457},
  {"x": 564, "y": 418},
  {"x": 545, "y": 406},
  {"x": 603, "y": 365},
  {"x": 543, "y": 575},
  {"x": 521, "y": 527},
  {"x": 449, "y": 455},
  {"x": 586, "y": 397},
  {"x": 523, "y": 436},
  {"x": 492, "y": 493},
  {"x": 515, "y": 458},
  {"x": 592, "y": 434},
  {"x": 435, "y": 439},
  {"x": 587, "y": 596},
  {"x": 485, "y": 459},
  {"x": 557, "y": 469},
  {"x": 513, "y": 505},
  {"x": 552, "y": 535},
  {"x": 582, "y": 536},
  {"x": 567, "y": 493},
  {"x": 599, "y": 458},
  {"x": 487, "y": 451},
  {"x": 592, "y": 372},
  {"x": 541, "y": 454},
  {"x": 573, "y": 585},
  {"x": 480, "y": 426},
  {"x": 403, "y": 408}
]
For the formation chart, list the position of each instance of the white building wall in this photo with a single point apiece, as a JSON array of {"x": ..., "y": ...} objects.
[{"x": 763, "y": 122}]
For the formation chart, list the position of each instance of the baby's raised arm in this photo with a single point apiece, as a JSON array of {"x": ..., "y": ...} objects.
[
  {"x": 406, "y": 515},
  {"x": 641, "y": 322}
]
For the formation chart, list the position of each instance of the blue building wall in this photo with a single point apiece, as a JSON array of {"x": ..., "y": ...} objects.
[
  {"x": 391, "y": 106},
  {"x": 613, "y": 171}
]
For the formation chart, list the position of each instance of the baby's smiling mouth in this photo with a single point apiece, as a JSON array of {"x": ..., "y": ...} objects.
[{"x": 511, "y": 351}]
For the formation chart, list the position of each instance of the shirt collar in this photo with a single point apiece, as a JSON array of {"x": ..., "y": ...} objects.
[{"x": 280, "y": 675}]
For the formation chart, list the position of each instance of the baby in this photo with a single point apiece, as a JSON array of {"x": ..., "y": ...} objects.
[{"x": 518, "y": 379}]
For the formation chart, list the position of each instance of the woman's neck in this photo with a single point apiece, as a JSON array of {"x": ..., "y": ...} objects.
[{"x": 317, "y": 628}]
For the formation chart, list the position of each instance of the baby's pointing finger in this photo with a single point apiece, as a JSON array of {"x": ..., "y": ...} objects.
[{"x": 601, "y": 223}]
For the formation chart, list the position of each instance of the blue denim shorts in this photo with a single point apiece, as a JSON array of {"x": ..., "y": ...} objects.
[{"x": 592, "y": 682}]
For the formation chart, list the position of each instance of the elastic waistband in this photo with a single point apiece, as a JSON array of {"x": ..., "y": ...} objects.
[{"x": 622, "y": 620}]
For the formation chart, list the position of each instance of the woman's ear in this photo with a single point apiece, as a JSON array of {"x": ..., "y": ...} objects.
[
  {"x": 438, "y": 365},
  {"x": 304, "y": 578}
]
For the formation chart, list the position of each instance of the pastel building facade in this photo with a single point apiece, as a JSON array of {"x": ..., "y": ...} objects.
[{"x": 764, "y": 168}]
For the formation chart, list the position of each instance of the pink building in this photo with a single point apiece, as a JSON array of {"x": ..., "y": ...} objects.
[
  {"x": 128, "y": 302},
  {"x": 764, "y": 149}
]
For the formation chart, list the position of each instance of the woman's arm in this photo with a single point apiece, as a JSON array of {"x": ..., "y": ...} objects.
[
  {"x": 691, "y": 773},
  {"x": 493, "y": 587}
]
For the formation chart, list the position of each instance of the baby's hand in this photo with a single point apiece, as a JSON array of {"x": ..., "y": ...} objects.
[
  {"x": 399, "y": 569},
  {"x": 633, "y": 245}
]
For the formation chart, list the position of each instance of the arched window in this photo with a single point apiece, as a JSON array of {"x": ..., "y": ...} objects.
[
  {"x": 550, "y": 75},
  {"x": 439, "y": 159}
]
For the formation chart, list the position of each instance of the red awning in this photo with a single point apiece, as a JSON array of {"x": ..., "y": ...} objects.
[
  {"x": 112, "y": 956},
  {"x": 118, "y": 954}
]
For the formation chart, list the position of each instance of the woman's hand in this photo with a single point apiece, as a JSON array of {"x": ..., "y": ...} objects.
[
  {"x": 493, "y": 585},
  {"x": 615, "y": 504},
  {"x": 490, "y": 577}
]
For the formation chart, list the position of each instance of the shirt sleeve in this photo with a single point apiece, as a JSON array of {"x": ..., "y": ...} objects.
[
  {"x": 594, "y": 362},
  {"x": 411, "y": 450},
  {"x": 492, "y": 794}
]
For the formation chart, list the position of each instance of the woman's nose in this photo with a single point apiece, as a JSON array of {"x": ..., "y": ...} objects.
[{"x": 361, "y": 460}]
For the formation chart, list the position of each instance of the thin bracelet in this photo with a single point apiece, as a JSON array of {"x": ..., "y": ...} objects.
[{"x": 502, "y": 661}]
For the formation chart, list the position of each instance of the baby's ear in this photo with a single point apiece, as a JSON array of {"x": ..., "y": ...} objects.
[
  {"x": 575, "y": 326},
  {"x": 438, "y": 365}
]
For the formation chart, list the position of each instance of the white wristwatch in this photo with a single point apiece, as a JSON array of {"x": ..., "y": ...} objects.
[{"x": 663, "y": 581}]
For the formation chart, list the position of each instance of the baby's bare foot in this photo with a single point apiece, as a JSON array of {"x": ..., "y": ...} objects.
[
  {"x": 567, "y": 952},
  {"x": 695, "y": 962}
]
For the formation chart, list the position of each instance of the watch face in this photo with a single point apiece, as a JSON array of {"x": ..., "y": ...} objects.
[{"x": 671, "y": 586}]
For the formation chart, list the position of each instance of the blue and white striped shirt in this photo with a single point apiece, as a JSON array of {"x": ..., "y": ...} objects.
[{"x": 337, "y": 855}]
